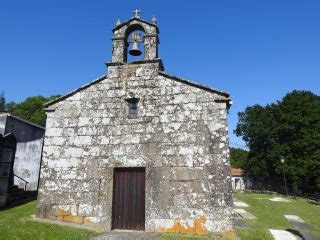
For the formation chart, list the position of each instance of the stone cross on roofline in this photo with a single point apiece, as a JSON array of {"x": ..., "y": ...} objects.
[{"x": 136, "y": 13}]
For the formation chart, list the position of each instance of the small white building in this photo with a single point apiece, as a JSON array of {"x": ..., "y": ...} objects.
[
  {"x": 239, "y": 180},
  {"x": 20, "y": 159}
]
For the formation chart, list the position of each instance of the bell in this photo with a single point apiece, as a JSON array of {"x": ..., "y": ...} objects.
[{"x": 135, "y": 50}]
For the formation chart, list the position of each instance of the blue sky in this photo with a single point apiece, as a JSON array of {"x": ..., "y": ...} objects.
[{"x": 256, "y": 50}]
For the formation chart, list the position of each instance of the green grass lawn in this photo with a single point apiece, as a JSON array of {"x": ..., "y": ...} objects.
[
  {"x": 15, "y": 223},
  {"x": 270, "y": 215}
]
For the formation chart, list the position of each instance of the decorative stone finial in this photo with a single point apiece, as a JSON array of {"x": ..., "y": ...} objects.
[
  {"x": 154, "y": 20},
  {"x": 118, "y": 22},
  {"x": 136, "y": 13}
]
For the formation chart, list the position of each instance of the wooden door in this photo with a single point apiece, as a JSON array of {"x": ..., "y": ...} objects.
[{"x": 128, "y": 210}]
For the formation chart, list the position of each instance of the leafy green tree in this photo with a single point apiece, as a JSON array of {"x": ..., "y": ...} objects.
[
  {"x": 238, "y": 157},
  {"x": 290, "y": 129},
  {"x": 2, "y": 102},
  {"x": 30, "y": 109}
]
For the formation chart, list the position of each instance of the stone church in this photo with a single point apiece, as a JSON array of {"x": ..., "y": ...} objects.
[{"x": 138, "y": 148}]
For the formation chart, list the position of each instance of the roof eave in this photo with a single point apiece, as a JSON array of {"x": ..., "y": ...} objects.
[
  {"x": 48, "y": 104},
  {"x": 25, "y": 121},
  {"x": 225, "y": 96}
]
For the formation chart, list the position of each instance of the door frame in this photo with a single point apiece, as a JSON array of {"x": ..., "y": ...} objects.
[{"x": 115, "y": 169}]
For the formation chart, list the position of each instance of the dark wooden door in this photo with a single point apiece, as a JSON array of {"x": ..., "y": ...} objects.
[{"x": 128, "y": 198}]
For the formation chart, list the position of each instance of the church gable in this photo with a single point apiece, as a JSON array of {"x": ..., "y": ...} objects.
[
  {"x": 153, "y": 94},
  {"x": 102, "y": 84}
]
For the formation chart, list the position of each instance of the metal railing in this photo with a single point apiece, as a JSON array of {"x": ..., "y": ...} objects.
[{"x": 25, "y": 181}]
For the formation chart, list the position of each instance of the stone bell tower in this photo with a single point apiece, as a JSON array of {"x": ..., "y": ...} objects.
[{"x": 149, "y": 40}]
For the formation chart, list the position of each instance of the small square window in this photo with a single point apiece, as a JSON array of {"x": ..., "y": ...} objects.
[{"x": 133, "y": 108}]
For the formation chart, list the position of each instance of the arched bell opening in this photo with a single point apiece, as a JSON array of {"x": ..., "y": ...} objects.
[{"x": 135, "y": 45}]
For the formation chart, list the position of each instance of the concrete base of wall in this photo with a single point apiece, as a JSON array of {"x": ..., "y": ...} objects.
[
  {"x": 95, "y": 228},
  {"x": 102, "y": 229}
]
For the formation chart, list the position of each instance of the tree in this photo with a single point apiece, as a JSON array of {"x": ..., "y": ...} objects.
[
  {"x": 238, "y": 157},
  {"x": 289, "y": 128},
  {"x": 30, "y": 109},
  {"x": 2, "y": 102}
]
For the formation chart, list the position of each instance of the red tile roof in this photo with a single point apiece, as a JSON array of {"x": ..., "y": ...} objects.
[{"x": 236, "y": 171}]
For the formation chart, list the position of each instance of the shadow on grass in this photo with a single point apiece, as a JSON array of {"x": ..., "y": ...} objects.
[
  {"x": 313, "y": 202},
  {"x": 296, "y": 233},
  {"x": 17, "y": 204}
]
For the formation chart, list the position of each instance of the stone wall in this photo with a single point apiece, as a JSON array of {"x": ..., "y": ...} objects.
[{"x": 180, "y": 137}]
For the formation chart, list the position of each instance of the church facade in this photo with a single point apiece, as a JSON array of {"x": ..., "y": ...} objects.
[{"x": 138, "y": 148}]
